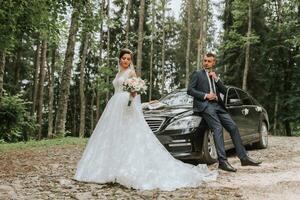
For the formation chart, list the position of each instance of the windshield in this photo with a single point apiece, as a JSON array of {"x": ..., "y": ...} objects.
[{"x": 177, "y": 98}]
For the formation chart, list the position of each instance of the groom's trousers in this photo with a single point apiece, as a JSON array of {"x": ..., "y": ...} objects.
[{"x": 216, "y": 118}]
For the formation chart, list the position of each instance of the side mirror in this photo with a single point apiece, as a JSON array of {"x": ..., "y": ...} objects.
[{"x": 235, "y": 102}]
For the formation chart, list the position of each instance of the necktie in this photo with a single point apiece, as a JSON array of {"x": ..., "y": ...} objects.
[{"x": 212, "y": 85}]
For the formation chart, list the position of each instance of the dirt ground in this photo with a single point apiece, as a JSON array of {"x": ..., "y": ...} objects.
[{"x": 47, "y": 174}]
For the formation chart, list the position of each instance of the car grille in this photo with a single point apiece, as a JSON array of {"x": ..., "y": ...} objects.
[{"x": 155, "y": 123}]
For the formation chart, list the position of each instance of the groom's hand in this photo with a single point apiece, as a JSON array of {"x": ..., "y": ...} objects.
[
  {"x": 211, "y": 96},
  {"x": 133, "y": 94},
  {"x": 213, "y": 75}
]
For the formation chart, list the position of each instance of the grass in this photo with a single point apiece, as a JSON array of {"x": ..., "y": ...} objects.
[{"x": 42, "y": 143}]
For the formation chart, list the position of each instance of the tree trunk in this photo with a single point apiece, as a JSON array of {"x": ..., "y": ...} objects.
[
  {"x": 2, "y": 70},
  {"x": 227, "y": 26},
  {"x": 153, "y": 34},
  {"x": 100, "y": 60},
  {"x": 17, "y": 69},
  {"x": 74, "y": 114},
  {"x": 163, "y": 48},
  {"x": 92, "y": 111},
  {"x": 188, "y": 45},
  {"x": 275, "y": 113},
  {"x": 81, "y": 85},
  {"x": 129, "y": 5},
  {"x": 36, "y": 74},
  {"x": 66, "y": 75},
  {"x": 200, "y": 39},
  {"x": 108, "y": 49},
  {"x": 247, "y": 54},
  {"x": 97, "y": 105},
  {"x": 51, "y": 70},
  {"x": 140, "y": 37},
  {"x": 288, "y": 129},
  {"x": 287, "y": 88},
  {"x": 40, "y": 94},
  {"x": 205, "y": 22}
]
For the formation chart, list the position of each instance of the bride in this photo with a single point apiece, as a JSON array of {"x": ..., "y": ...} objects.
[{"x": 123, "y": 148}]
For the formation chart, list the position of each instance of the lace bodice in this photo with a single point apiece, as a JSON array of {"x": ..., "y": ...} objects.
[{"x": 119, "y": 79}]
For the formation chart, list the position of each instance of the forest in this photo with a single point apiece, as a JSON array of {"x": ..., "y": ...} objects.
[{"x": 59, "y": 57}]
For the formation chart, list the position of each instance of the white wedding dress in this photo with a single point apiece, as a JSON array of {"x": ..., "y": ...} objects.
[{"x": 123, "y": 149}]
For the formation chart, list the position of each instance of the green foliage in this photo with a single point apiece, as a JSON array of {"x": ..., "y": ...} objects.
[
  {"x": 296, "y": 132},
  {"x": 43, "y": 17},
  {"x": 16, "y": 123},
  {"x": 10, "y": 11},
  {"x": 274, "y": 53},
  {"x": 101, "y": 79}
]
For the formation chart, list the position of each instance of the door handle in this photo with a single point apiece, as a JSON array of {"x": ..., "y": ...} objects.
[{"x": 245, "y": 111}]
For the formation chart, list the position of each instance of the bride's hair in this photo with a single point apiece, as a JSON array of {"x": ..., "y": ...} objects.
[{"x": 126, "y": 51}]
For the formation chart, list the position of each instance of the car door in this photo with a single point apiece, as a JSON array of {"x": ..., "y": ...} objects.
[
  {"x": 250, "y": 111},
  {"x": 235, "y": 108}
]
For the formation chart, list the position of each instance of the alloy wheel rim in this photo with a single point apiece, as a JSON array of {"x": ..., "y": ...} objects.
[
  {"x": 264, "y": 134},
  {"x": 211, "y": 146}
]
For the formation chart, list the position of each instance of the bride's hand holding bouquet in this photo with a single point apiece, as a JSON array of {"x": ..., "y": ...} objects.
[{"x": 134, "y": 85}]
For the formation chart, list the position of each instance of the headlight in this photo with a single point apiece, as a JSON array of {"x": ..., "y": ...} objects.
[{"x": 186, "y": 123}]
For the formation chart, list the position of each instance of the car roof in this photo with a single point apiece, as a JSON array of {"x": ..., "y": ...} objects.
[
  {"x": 229, "y": 86},
  {"x": 185, "y": 89}
]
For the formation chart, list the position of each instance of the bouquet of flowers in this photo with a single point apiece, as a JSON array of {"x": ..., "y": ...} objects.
[{"x": 134, "y": 84}]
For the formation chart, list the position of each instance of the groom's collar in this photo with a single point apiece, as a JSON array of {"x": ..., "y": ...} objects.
[{"x": 204, "y": 70}]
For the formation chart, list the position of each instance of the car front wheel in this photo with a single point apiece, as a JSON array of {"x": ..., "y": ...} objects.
[{"x": 209, "y": 149}]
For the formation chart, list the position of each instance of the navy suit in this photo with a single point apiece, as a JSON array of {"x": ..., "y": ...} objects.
[
  {"x": 214, "y": 113},
  {"x": 199, "y": 86}
]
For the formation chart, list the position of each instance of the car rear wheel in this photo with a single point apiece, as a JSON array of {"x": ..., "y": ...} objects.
[
  {"x": 263, "y": 137},
  {"x": 209, "y": 149}
]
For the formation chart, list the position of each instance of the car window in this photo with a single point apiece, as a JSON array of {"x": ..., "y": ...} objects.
[
  {"x": 246, "y": 99},
  {"x": 232, "y": 96},
  {"x": 177, "y": 98}
]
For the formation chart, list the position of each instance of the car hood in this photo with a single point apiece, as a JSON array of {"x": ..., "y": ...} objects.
[{"x": 167, "y": 111}]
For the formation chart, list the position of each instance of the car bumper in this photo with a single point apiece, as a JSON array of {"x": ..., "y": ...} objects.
[{"x": 179, "y": 145}]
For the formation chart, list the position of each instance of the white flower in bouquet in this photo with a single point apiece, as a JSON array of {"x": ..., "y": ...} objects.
[{"x": 134, "y": 84}]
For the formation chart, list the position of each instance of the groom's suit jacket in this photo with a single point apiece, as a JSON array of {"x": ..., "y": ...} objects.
[{"x": 199, "y": 87}]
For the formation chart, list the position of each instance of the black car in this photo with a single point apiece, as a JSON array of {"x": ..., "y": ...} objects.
[{"x": 173, "y": 121}]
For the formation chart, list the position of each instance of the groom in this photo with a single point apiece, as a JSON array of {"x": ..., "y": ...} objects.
[{"x": 205, "y": 86}]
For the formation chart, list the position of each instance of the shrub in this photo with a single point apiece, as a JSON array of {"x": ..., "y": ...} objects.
[{"x": 16, "y": 124}]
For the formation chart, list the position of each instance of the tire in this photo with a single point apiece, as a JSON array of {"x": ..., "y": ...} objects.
[
  {"x": 263, "y": 137},
  {"x": 208, "y": 148}
]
